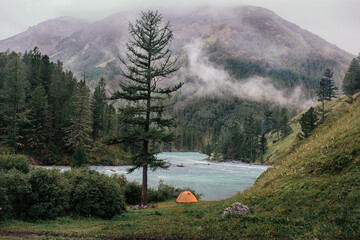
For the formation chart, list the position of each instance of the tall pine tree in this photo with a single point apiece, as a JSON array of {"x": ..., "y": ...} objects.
[
  {"x": 326, "y": 91},
  {"x": 79, "y": 119},
  {"x": 99, "y": 110},
  {"x": 148, "y": 61},
  {"x": 38, "y": 130}
]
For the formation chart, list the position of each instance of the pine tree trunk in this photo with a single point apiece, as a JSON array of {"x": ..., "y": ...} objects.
[
  {"x": 144, "y": 187},
  {"x": 144, "y": 178}
]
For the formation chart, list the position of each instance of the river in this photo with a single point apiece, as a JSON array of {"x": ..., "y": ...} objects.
[{"x": 216, "y": 181}]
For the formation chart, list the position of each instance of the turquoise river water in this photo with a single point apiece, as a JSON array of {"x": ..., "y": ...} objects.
[{"x": 216, "y": 181}]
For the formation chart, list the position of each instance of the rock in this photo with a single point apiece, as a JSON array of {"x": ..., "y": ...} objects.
[
  {"x": 137, "y": 207},
  {"x": 236, "y": 209}
]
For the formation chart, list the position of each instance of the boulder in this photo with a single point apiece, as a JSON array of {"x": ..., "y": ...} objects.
[
  {"x": 137, "y": 207},
  {"x": 236, "y": 209}
]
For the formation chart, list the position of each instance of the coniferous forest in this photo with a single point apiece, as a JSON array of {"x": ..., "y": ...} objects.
[{"x": 47, "y": 113}]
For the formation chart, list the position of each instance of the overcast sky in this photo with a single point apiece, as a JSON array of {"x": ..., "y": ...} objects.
[{"x": 337, "y": 21}]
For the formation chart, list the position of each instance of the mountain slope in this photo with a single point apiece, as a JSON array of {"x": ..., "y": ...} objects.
[
  {"x": 313, "y": 191},
  {"x": 252, "y": 33},
  {"x": 260, "y": 35},
  {"x": 45, "y": 35}
]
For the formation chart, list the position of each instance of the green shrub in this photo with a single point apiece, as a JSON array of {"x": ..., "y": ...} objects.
[
  {"x": 19, "y": 162},
  {"x": 133, "y": 193},
  {"x": 163, "y": 192},
  {"x": 50, "y": 194},
  {"x": 94, "y": 194},
  {"x": 4, "y": 202},
  {"x": 122, "y": 182},
  {"x": 15, "y": 190},
  {"x": 166, "y": 192},
  {"x": 79, "y": 157}
]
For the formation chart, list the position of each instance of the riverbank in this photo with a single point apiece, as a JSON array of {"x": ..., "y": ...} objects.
[{"x": 213, "y": 160}]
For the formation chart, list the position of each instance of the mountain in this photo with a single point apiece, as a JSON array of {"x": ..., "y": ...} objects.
[
  {"x": 228, "y": 37},
  {"x": 259, "y": 34},
  {"x": 45, "y": 35}
]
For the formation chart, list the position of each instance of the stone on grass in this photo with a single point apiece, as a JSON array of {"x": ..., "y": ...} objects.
[
  {"x": 236, "y": 209},
  {"x": 137, "y": 207}
]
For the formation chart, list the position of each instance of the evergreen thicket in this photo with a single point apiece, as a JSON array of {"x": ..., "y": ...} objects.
[
  {"x": 46, "y": 112},
  {"x": 228, "y": 127}
]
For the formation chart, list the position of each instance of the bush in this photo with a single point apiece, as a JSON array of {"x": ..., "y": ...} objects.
[
  {"x": 163, "y": 192},
  {"x": 79, "y": 157},
  {"x": 94, "y": 194},
  {"x": 166, "y": 192},
  {"x": 19, "y": 162},
  {"x": 4, "y": 202},
  {"x": 15, "y": 191},
  {"x": 50, "y": 194},
  {"x": 133, "y": 193},
  {"x": 122, "y": 182}
]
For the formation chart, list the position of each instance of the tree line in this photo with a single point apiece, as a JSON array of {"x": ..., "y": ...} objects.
[
  {"x": 228, "y": 127},
  {"x": 46, "y": 112},
  {"x": 326, "y": 91}
]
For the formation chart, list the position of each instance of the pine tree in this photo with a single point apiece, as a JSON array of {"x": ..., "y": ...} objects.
[
  {"x": 326, "y": 91},
  {"x": 308, "y": 122},
  {"x": 79, "y": 119},
  {"x": 33, "y": 62},
  {"x": 98, "y": 109},
  {"x": 62, "y": 90},
  {"x": 285, "y": 128},
  {"x": 13, "y": 109},
  {"x": 148, "y": 62},
  {"x": 351, "y": 84},
  {"x": 38, "y": 130},
  {"x": 46, "y": 73}
]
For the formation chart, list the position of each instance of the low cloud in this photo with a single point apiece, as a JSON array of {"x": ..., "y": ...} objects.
[{"x": 210, "y": 79}]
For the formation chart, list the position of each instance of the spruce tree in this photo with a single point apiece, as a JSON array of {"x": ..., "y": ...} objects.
[
  {"x": 308, "y": 122},
  {"x": 148, "y": 61},
  {"x": 33, "y": 62},
  {"x": 351, "y": 84},
  {"x": 98, "y": 110},
  {"x": 38, "y": 129},
  {"x": 13, "y": 109},
  {"x": 285, "y": 128},
  {"x": 326, "y": 91},
  {"x": 79, "y": 118}
]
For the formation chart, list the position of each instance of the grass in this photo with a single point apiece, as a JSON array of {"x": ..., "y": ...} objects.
[{"x": 313, "y": 192}]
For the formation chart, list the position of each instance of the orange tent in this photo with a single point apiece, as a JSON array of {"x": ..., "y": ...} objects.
[{"x": 186, "y": 197}]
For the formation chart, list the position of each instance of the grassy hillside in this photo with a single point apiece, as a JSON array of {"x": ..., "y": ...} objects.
[{"x": 312, "y": 192}]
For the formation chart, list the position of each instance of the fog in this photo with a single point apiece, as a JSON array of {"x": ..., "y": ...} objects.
[{"x": 211, "y": 79}]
